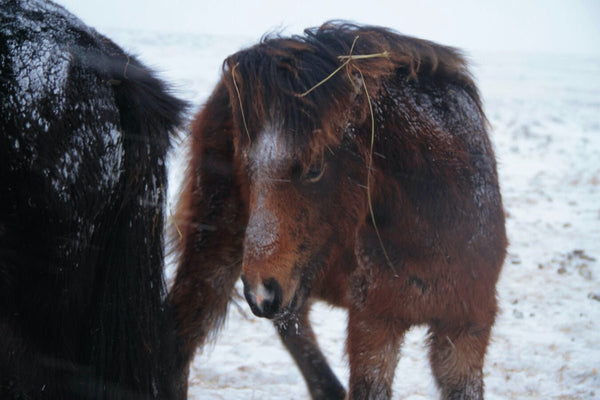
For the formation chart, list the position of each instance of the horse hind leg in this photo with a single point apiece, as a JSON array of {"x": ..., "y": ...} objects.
[
  {"x": 299, "y": 339},
  {"x": 456, "y": 357}
]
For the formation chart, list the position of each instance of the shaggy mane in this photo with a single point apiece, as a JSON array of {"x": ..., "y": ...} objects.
[{"x": 265, "y": 81}]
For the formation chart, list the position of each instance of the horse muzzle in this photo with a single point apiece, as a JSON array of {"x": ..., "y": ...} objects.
[{"x": 264, "y": 299}]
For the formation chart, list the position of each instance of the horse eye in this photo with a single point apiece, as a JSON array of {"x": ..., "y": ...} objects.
[{"x": 314, "y": 173}]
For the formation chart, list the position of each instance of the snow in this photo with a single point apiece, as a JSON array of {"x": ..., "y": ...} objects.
[
  {"x": 40, "y": 66},
  {"x": 266, "y": 158},
  {"x": 270, "y": 152},
  {"x": 545, "y": 116},
  {"x": 36, "y": 36},
  {"x": 262, "y": 233}
]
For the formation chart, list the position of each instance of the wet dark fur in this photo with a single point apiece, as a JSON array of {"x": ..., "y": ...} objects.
[
  {"x": 81, "y": 253},
  {"x": 434, "y": 196}
]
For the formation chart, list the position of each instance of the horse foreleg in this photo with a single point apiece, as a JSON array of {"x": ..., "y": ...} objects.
[
  {"x": 211, "y": 220},
  {"x": 199, "y": 299},
  {"x": 373, "y": 349},
  {"x": 210, "y": 265},
  {"x": 299, "y": 338}
]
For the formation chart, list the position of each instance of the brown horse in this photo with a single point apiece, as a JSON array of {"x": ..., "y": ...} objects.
[{"x": 350, "y": 165}]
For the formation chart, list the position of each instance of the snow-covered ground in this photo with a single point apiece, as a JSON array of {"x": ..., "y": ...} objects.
[{"x": 545, "y": 116}]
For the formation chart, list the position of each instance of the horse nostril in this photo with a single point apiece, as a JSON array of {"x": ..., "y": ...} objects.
[
  {"x": 272, "y": 299},
  {"x": 265, "y": 299}
]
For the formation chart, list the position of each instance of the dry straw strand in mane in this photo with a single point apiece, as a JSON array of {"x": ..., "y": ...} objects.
[
  {"x": 332, "y": 74},
  {"x": 240, "y": 100},
  {"x": 369, "y": 200},
  {"x": 348, "y": 59}
]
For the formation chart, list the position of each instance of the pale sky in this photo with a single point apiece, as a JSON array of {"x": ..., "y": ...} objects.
[{"x": 557, "y": 26}]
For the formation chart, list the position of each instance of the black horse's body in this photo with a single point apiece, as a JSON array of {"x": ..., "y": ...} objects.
[{"x": 84, "y": 130}]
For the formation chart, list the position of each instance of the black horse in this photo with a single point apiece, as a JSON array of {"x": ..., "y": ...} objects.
[{"x": 84, "y": 131}]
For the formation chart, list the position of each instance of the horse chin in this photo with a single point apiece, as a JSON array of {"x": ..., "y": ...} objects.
[{"x": 289, "y": 313}]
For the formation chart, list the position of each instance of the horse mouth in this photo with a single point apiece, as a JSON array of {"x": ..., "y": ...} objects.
[
  {"x": 288, "y": 315},
  {"x": 266, "y": 299},
  {"x": 271, "y": 307},
  {"x": 289, "y": 312},
  {"x": 283, "y": 314}
]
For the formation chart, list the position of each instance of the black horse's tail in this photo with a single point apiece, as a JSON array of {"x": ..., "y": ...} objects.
[{"x": 131, "y": 339}]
